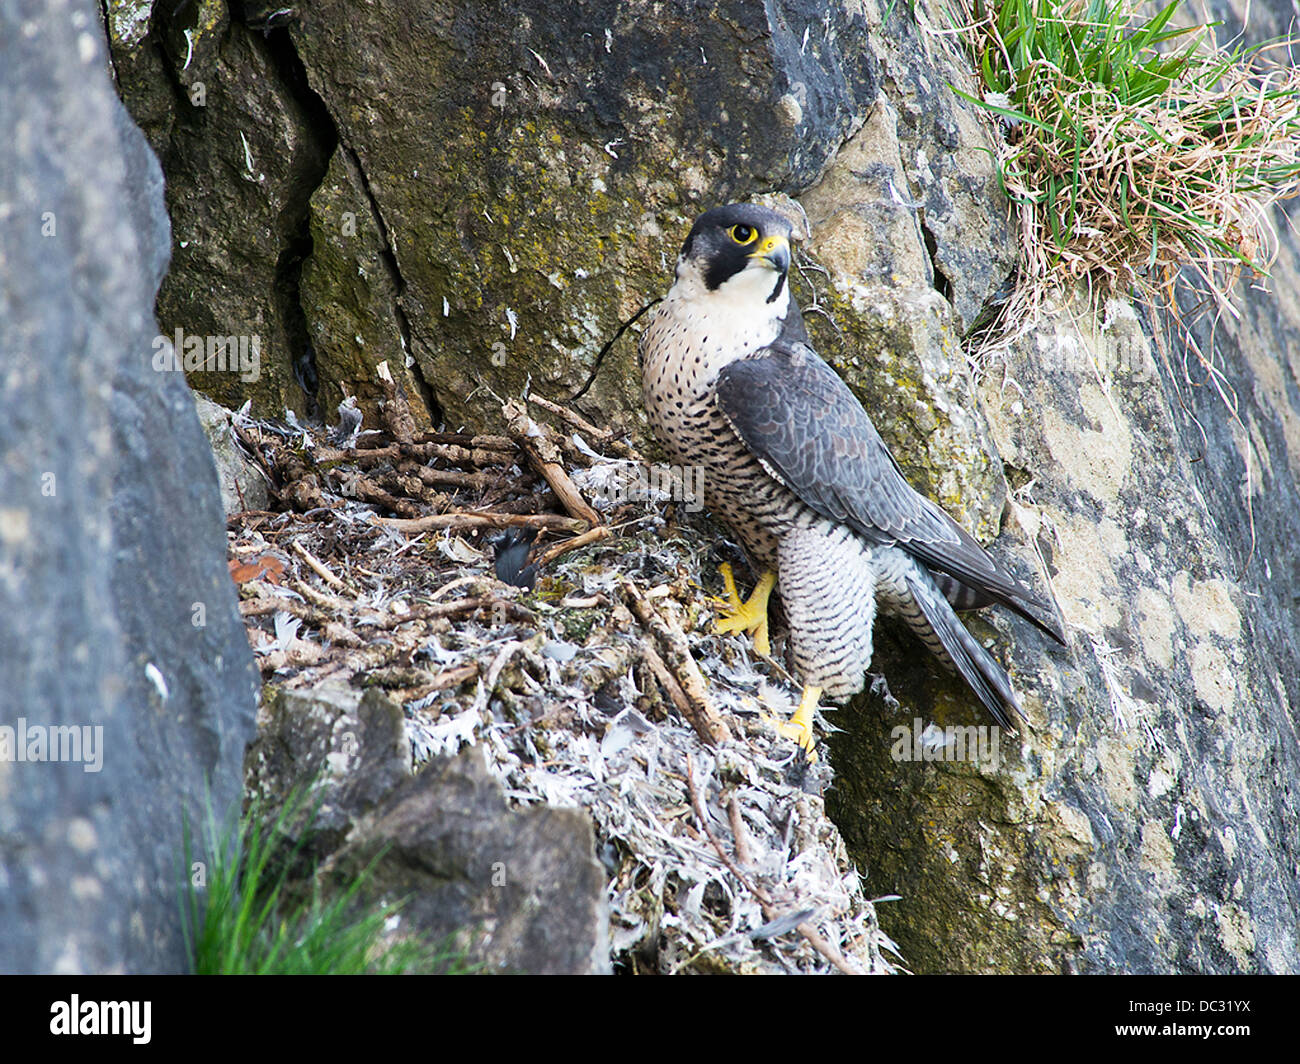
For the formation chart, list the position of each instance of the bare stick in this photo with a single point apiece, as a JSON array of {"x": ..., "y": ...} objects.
[
  {"x": 544, "y": 454},
  {"x": 420, "y": 452},
  {"x": 454, "y": 677},
  {"x": 604, "y": 437},
  {"x": 461, "y": 521},
  {"x": 592, "y": 536},
  {"x": 665, "y": 677},
  {"x": 704, "y": 718},
  {"x": 738, "y": 831},
  {"x": 469, "y": 441},
  {"x": 318, "y": 566}
]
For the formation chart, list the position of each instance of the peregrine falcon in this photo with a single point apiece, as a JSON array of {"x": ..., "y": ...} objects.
[{"x": 794, "y": 466}]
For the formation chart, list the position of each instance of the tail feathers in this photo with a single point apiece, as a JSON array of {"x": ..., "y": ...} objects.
[
  {"x": 930, "y": 616},
  {"x": 964, "y": 596}
]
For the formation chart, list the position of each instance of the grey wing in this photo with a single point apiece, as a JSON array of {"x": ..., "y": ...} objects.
[{"x": 810, "y": 432}]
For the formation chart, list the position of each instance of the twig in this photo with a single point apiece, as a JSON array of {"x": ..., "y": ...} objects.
[
  {"x": 454, "y": 477},
  {"x": 544, "y": 454},
  {"x": 321, "y": 599},
  {"x": 318, "y": 566},
  {"x": 604, "y": 437},
  {"x": 260, "y": 607},
  {"x": 704, "y": 718},
  {"x": 453, "y": 677},
  {"x": 484, "y": 452},
  {"x": 394, "y": 409},
  {"x": 445, "y": 609},
  {"x": 738, "y": 831},
  {"x": 253, "y": 448},
  {"x": 369, "y": 490},
  {"x": 468, "y": 440},
  {"x": 405, "y": 482},
  {"x": 665, "y": 677},
  {"x": 460, "y": 521},
  {"x": 459, "y": 582},
  {"x": 592, "y": 536}
]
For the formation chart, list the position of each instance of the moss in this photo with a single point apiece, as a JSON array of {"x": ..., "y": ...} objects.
[
  {"x": 351, "y": 298},
  {"x": 549, "y": 179},
  {"x": 577, "y": 624},
  {"x": 937, "y": 834}
]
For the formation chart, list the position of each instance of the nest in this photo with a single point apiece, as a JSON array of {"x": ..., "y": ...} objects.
[{"x": 602, "y": 686}]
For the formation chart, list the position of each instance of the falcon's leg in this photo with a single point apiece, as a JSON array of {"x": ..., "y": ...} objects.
[
  {"x": 800, "y": 726},
  {"x": 750, "y": 615}
]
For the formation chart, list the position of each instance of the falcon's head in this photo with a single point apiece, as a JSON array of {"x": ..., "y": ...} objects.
[{"x": 740, "y": 252}]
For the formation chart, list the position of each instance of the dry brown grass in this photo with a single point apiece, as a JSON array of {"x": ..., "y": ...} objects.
[{"x": 1138, "y": 157}]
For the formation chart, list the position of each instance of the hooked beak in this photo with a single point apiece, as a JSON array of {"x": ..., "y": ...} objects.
[{"x": 774, "y": 253}]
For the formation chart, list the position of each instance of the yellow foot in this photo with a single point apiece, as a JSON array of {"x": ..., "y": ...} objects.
[
  {"x": 800, "y": 726},
  {"x": 749, "y": 616}
]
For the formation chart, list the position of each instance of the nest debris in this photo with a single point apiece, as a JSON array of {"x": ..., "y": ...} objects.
[{"x": 603, "y": 687}]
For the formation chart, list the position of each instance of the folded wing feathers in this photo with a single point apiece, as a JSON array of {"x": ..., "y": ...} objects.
[{"x": 810, "y": 432}]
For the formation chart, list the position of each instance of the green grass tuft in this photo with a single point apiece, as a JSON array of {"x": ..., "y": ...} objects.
[
  {"x": 249, "y": 917},
  {"x": 1133, "y": 148}
]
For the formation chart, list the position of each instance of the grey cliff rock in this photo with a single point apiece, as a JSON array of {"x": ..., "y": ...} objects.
[
  {"x": 515, "y": 890},
  {"x": 117, "y": 616}
]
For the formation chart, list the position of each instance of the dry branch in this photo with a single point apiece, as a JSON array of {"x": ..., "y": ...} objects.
[
  {"x": 676, "y": 655},
  {"x": 592, "y": 536},
  {"x": 603, "y": 437},
  {"x": 463, "y": 521},
  {"x": 318, "y": 566},
  {"x": 545, "y": 455}
]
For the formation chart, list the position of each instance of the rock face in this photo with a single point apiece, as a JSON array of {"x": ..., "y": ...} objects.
[
  {"x": 243, "y": 147},
  {"x": 490, "y": 189},
  {"x": 519, "y": 890},
  {"x": 243, "y": 486},
  {"x": 506, "y": 182},
  {"x": 1144, "y": 822},
  {"x": 515, "y": 890},
  {"x": 129, "y": 688}
]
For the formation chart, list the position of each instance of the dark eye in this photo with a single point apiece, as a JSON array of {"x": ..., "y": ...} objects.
[{"x": 743, "y": 234}]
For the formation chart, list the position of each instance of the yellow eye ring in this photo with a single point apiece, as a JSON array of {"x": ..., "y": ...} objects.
[{"x": 743, "y": 234}]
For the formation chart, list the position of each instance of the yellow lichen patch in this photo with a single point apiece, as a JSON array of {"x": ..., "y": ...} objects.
[
  {"x": 1271, "y": 393},
  {"x": 1096, "y": 461},
  {"x": 1158, "y": 854},
  {"x": 1212, "y": 676},
  {"x": 1236, "y": 932},
  {"x": 1075, "y": 837},
  {"x": 1156, "y": 626},
  {"x": 15, "y": 525},
  {"x": 845, "y": 239},
  {"x": 1115, "y": 759},
  {"x": 1206, "y": 606},
  {"x": 1086, "y": 585}
]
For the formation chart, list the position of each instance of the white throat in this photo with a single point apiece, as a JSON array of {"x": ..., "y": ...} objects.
[{"x": 738, "y": 307}]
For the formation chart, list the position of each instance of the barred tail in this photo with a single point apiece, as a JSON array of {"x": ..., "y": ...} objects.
[{"x": 912, "y": 595}]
